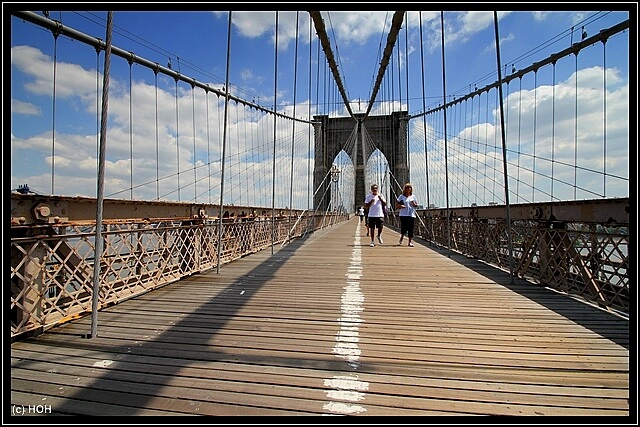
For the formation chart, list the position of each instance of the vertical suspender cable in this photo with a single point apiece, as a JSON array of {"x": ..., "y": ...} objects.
[
  {"x": 237, "y": 183},
  {"x": 553, "y": 128},
  {"x": 389, "y": 124},
  {"x": 406, "y": 67},
  {"x": 252, "y": 174},
  {"x": 155, "y": 71},
  {"x": 325, "y": 92},
  {"x": 504, "y": 149},
  {"x": 446, "y": 160},
  {"x": 224, "y": 144},
  {"x": 478, "y": 146},
  {"x": 195, "y": 173},
  {"x": 519, "y": 137},
  {"x": 249, "y": 200},
  {"x": 53, "y": 114},
  {"x": 275, "y": 121},
  {"x": 177, "y": 140},
  {"x": 399, "y": 76},
  {"x": 506, "y": 108},
  {"x": 575, "y": 132},
  {"x": 535, "y": 123},
  {"x": 293, "y": 125},
  {"x": 100, "y": 201},
  {"x": 466, "y": 140},
  {"x": 486, "y": 145},
  {"x": 424, "y": 125},
  {"x": 208, "y": 149},
  {"x": 318, "y": 78},
  {"x": 309, "y": 191},
  {"x": 495, "y": 141},
  {"x": 604, "y": 117},
  {"x": 97, "y": 107},
  {"x": 220, "y": 126},
  {"x": 130, "y": 127}
]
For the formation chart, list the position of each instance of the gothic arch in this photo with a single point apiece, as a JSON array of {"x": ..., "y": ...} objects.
[{"x": 359, "y": 137}]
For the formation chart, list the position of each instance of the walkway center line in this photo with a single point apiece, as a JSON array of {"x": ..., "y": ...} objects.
[{"x": 347, "y": 389}]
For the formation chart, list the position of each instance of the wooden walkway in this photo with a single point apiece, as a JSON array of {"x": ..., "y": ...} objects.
[{"x": 328, "y": 325}]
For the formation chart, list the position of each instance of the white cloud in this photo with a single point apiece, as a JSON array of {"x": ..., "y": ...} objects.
[{"x": 19, "y": 107}]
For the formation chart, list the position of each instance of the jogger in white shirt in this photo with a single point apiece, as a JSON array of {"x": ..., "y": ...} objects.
[{"x": 376, "y": 204}]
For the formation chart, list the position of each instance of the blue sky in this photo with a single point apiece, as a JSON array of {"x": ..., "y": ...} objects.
[{"x": 195, "y": 43}]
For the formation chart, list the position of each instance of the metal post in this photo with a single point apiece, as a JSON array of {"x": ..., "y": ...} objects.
[
  {"x": 224, "y": 145},
  {"x": 101, "y": 165},
  {"x": 504, "y": 150}
]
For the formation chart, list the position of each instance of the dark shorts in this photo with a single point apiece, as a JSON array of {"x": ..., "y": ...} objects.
[{"x": 375, "y": 222}]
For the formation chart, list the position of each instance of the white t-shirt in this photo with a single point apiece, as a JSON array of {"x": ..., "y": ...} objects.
[
  {"x": 409, "y": 209},
  {"x": 375, "y": 209},
  {"x": 361, "y": 211}
]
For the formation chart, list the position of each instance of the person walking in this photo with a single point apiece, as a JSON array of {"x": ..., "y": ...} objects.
[
  {"x": 361, "y": 214},
  {"x": 407, "y": 203},
  {"x": 376, "y": 204}
]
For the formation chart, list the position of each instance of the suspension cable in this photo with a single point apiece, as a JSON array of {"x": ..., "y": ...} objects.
[
  {"x": 535, "y": 128},
  {"x": 519, "y": 136},
  {"x": 206, "y": 97},
  {"x": 275, "y": 121},
  {"x": 131, "y": 127},
  {"x": 575, "y": 131},
  {"x": 224, "y": 143},
  {"x": 604, "y": 117},
  {"x": 446, "y": 157},
  {"x": 553, "y": 125},
  {"x": 504, "y": 150},
  {"x": 97, "y": 107},
  {"x": 293, "y": 124},
  {"x": 406, "y": 66},
  {"x": 53, "y": 113},
  {"x": 391, "y": 39},
  {"x": 193, "y": 121},
  {"x": 177, "y": 142},
  {"x": 95, "y": 297},
  {"x": 309, "y": 201},
  {"x": 424, "y": 122},
  {"x": 155, "y": 72},
  {"x": 326, "y": 46}
]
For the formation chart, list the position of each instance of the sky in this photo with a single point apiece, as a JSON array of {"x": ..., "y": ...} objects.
[{"x": 194, "y": 43}]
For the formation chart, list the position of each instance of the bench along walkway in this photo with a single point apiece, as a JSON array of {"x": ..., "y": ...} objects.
[{"x": 330, "y": 325}]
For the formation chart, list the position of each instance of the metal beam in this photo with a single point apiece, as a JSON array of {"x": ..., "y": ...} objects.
[
  {"x": 35, "y": 209},
  {"x": 613, "y": 211}
]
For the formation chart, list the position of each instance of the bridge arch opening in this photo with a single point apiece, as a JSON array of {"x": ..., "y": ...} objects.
[
  {"x": 343, "y": 184},
  {"x": 377, "y": 171}
]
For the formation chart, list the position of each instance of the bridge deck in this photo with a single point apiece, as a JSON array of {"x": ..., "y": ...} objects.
[{"x": 329, "y": 325}]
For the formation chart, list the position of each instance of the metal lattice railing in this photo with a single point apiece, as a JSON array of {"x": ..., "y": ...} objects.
[
  {"x": 52, "y": 272},
  {"x": 582, "y": 259}
]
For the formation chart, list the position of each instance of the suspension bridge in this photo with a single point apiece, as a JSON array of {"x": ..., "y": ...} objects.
[{"x": 224, "y": 272}]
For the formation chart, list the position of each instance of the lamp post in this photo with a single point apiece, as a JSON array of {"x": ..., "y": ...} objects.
[{"x": 335, "y": 176}]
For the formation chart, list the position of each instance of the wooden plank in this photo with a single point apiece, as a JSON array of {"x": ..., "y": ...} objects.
[
  {"x": 414, "y": 349},
  {"x": 295, "y": 329},
  {"x": 300, "y": 377},
  {"x": 514, "y": 376},
  {"x": 435, "y": 335}
]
